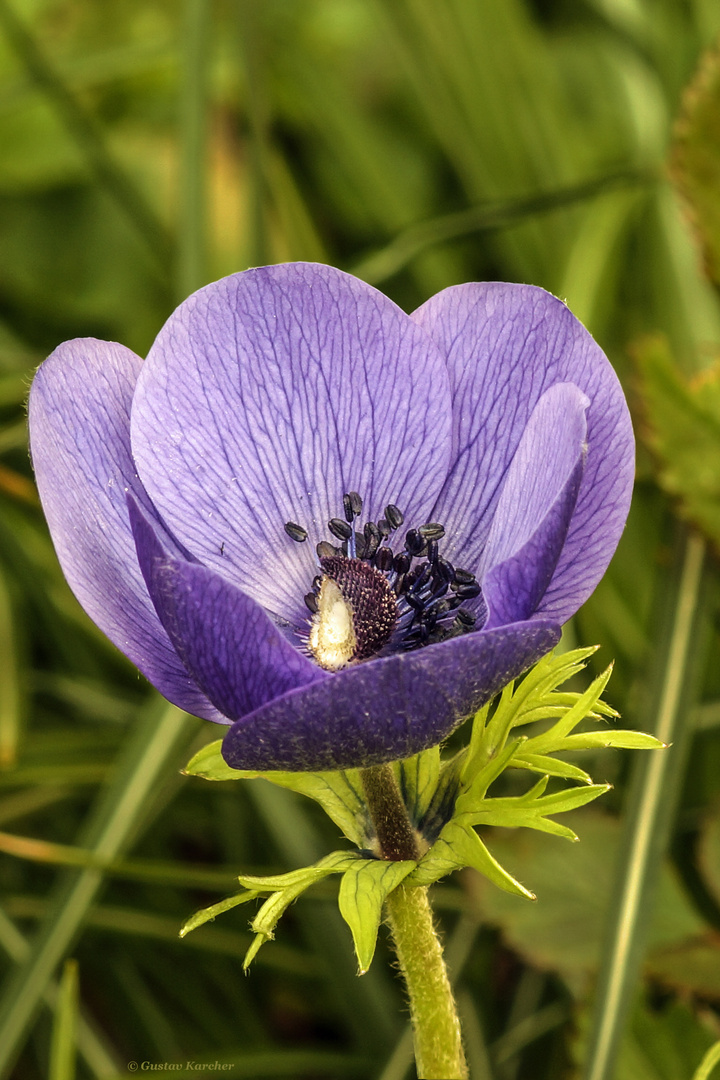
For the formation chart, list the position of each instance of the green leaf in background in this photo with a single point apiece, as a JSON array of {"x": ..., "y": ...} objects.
[
  {"x": 563, "y": 932},
  {"x": 364, "y": 888},
  {"x": 695, "y": 157},
  {"x": 663, "y": 1042},
  {"x": 682, "y": 428}
]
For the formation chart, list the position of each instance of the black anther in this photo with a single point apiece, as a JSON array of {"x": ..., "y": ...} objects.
[
  {"x": 432, "y": 531},
  {"x": 401, "y": 563},
  {"x": 295, "y": 531},
  {"x": 414, "y": 543},
  {"x": 372, "y": 539},
  {"x": 444, "y": 569},
  {"x": 465, "y": 618},
  {"x": 352, "y": 505},
  {"x": 394, "y": 515},
  {"x": 463, "y": 577},
  {"x": 340, "y": 529},
  {"x": 384, "y": 559},
  {"x": 326, "y": 551}
]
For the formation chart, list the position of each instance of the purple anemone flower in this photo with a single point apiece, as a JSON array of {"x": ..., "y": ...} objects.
[{"x": 338, "y": 528}]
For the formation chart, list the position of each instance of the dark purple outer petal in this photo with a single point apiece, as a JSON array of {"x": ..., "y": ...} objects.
[
  {"x": 269, "y": 394},
  {"x": 80, "y": 442},
  {"x": 386, "y": 709},
  {"x": 226, "y": 640},
  {"x": 505, "y": 346}
]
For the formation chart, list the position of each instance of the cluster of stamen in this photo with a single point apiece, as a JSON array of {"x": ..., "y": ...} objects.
[{"x": 368, "y": 600}]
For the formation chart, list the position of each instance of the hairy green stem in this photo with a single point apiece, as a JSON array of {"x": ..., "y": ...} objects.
[{"x": 436, "y": 1028}]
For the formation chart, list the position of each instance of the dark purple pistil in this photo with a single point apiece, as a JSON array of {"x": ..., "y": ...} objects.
[
  {"x": 374, "y": 609},
  {"x": 400, "y": 599}
]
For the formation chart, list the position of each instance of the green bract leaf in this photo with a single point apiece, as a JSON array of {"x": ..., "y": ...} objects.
[
  {"x": 708, "y": 1063},
  {"x": 444, "y": 797},
  {"x": 549, "y": 766},
  {"x": 209, "y": 913},
  {"x": 622, "y": 740},
  {"x": 210, "y": 764},
  {"x": 460, "y": 846},
  {"x": 363, "y": 890},
  {"x": 339, "y": 793},
  {"x": 445, "y": 801},
  {"x": 552, "y": 739},
  {"x": 418, "y": 780},
  {"x": 285, "y": 889}
]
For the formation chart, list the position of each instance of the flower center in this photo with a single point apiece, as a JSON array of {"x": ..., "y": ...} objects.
[
  {"x": 368, "y": 600},
  {"x": 356, "y": 612}
]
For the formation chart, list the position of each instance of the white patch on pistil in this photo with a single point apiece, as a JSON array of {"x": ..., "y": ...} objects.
[{"x": 332, "y": 634}]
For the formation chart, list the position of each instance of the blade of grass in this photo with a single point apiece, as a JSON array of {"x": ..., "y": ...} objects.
[
  {"x": 383, "y": 264},
  {"x": 157, "y": 871},
  {"x": 593, "y": 258},
  {"x": 499, "y": 113},
  {"x": 89, "y": 138},
  {"x": 193, "y": 117},
  {"x": 98, "y": 1057},
  {"x": 508, "y": 1047},
  {"x": 62, "y": 1046},
  {"x": 117, "y": 816},
  {"x": 708, "y": 1063},
  {"x": 29, "y": 800},
  {"x": 474, "y": 1037},
  {"x": 134, "y": 922},
  {"x": 648, "y": 821},
  {"x": 9, "y": 683}
]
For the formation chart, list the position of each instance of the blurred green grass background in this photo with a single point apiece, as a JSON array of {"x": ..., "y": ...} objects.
[{"x": 151, "y": 146}]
